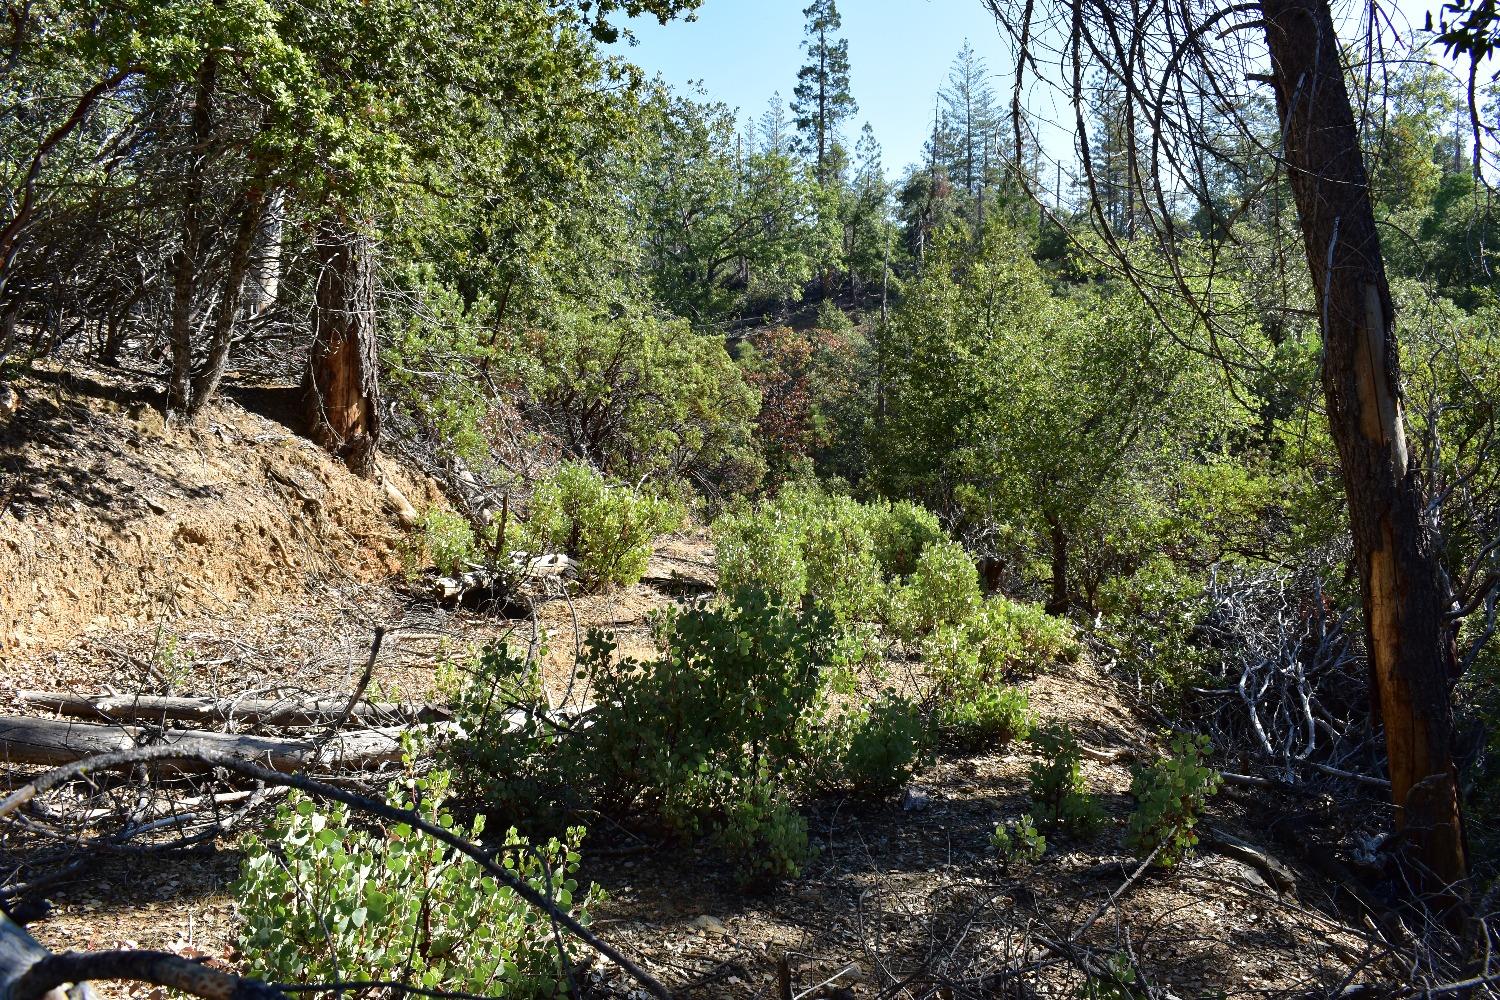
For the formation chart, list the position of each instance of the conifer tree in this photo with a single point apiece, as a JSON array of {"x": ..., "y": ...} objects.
[{"x": 822, "y": 98}]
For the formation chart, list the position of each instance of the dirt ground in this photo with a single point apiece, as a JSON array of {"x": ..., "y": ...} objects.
[{"x": 235, "y": 557}]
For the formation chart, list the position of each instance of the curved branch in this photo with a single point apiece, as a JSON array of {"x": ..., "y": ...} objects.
[{"x": 317, "y": 789}]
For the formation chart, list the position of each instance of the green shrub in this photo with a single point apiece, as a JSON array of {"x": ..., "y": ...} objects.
[
  {"x": 858, "y": 652},
  {"x": 986, "y": 719},
  {"x": 1018, "y": 841},
  {"x": 943, "y": 590},
  {"x": 1009, "y": 636},
  {"x": 674, "y": 740},
  {"x": 902, "y": 532},
  {"x": 435, "y": 338},
  {"x": 442, "y": 539},
  {"x": 608, "y": 528},
  {"x": 759, "y": 831},
  {"x": 323, "y": 900},
  {"x": 1059, "y": 798},
  {"x": 762, "y": 548},
  {"x": 842, "y": 572},
  {"x": 1153, "y": 617},
  {"x": 885, "y": 745},
  {"x": 952, "y": 659},
  {"x": 1170, "y": 796}
]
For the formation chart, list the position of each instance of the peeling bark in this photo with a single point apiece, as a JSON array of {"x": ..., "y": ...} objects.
[
  {"x": 1399, "y": 564},
  {"x": 341, "y": 387}
]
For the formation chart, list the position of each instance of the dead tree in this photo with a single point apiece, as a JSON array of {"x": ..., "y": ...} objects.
[
  {"x": 1406, "y": 600},
  {"x": 341, "y": 389},
  {"x": 1187, "y": 73}
]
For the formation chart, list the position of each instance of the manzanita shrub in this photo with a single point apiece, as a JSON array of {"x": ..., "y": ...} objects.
[
  {"x": 1018, "y": 842},
  {"x": 325, "y": 899},
  {"x": 1060, "y": 800},
  {"x": 1170, "y": 797},
  {"x": 680, "y": 744},
  {"x": 608, "y": 527}
]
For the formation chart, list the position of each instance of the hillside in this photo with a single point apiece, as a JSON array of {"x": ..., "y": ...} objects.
[
  {"x": 685, "y": 498},
  {"x": 242, "y": 559}
]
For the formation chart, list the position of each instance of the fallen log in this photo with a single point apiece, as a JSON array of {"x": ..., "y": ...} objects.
[
  {"x": 1270, "y": 867},
  {"x": 497, "y": 583},
  {"x": 256, "y": 711},
  {"x": 53, "y": 742},
  {"x": 29, "y": 971},
  {"x": 19, "y": 951}
]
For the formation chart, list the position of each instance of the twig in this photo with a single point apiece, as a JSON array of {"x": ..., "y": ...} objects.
[{"x": 364, "y": 682}]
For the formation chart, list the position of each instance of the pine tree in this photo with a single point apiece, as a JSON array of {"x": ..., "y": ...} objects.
[
  {"x": 1115, "y": 166},
  {"x": 822, "y": 98},
  {"x": 969, "y": 106},
  {"x": 774, "y": 130}
]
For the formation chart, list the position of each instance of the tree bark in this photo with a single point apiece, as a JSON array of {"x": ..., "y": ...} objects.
[
  {"x": 1058, "y": 603},
  {"x": 185, "y": 266},
  {"x": 1405, "y": 599},
  {"x": 341, "y": 389}
]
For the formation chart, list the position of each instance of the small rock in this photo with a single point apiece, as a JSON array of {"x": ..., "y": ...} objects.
[
  {"x": 915, "y": 799},
  {"x": 709, "y": 925}
]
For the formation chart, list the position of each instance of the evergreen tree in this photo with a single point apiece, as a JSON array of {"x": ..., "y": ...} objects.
[
  {"x": 968, "y": 103},
  {"x": 822, "y": 98},
  {"x": 774, "y": 130},
  {"x": 1116, "y": 165}
]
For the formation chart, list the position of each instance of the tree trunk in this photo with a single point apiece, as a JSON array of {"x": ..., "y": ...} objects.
[
  {"x": 185, "y": 267},
  {"x": 341, "y": 390},
  {"x": 1058, "y": 603},
  {"x": 1406, "y": 602},
  {"x": 265, "y": 276},
  {"x": 206, "y": 382}
]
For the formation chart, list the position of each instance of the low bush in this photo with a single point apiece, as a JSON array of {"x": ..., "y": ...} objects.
[
  {"x": 677, "y": 743},
  {"x": 809, "y": 541},
  {"x": 943, "y": 590},
  {"x": 761, "y": 548},
  {"x": 842, "y": 572},
  {"x": 442, "y": 539},
  {"x": 323, "y": 900},
  {"x": 760, "y": 832},
  {"x": 886, "y": 743},
  {"x": 1018, "y": 841},
  {"x": 986, "y": 719},
  {"x": 1059, "y": 798},
  {"x": 1154, "y": 618},
  {"x": 1170, "y": 796},
  {"x": 608, "y": 528},
  {"x": 902, "y": 532},
  {"x": 1010, "y": 636}
]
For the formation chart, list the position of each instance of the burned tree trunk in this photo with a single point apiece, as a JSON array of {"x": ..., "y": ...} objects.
[
  {"x": 1406, "y": 602},
  {"x": 341, "y": 390}
]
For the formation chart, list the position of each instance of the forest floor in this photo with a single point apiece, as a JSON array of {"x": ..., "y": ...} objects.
[{"x": 235, "y": 557}]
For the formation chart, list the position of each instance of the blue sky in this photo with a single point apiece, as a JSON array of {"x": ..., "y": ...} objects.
[{"x": 899, "y": 52}]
